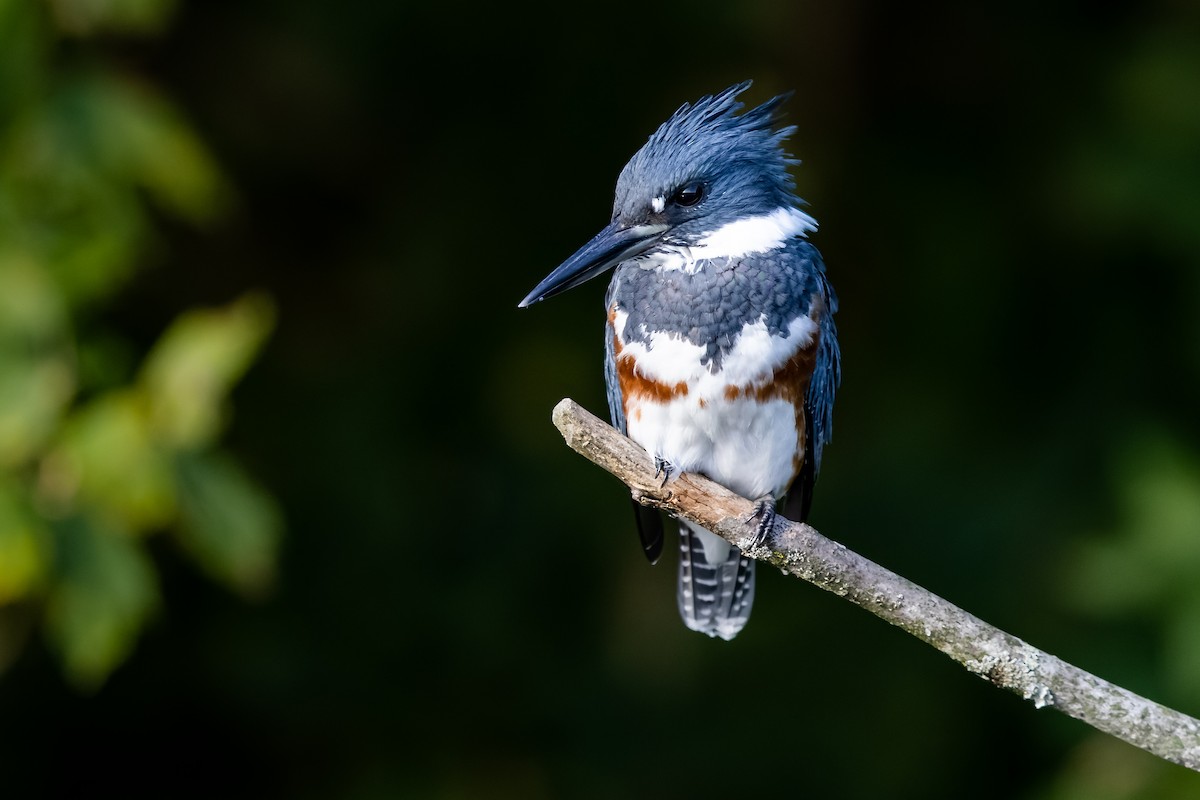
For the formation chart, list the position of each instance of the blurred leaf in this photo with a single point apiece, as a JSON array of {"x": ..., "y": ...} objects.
[
  {"x": 24, "y": 546},
  {"x": 228, "y": 523},
  {"x": 57, "y": 205},
  {"x": 72, "y": 173},
  {"x": 105, "y": 592},
  {"x": 31, "y": 307},
  {"x": 82, "y": 17},
  {"x": 191, "y": 370},
  {"x": 36, "y": 375},
  {"x": 1153, "y": 555},
  {"x": 113, "y": 460},
  {"x": 33, "y": 394},
  {"x": 137, "y": 134}
]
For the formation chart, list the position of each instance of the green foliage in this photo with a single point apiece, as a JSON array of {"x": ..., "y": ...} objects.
[
  {"x": 88, "y": 156},
  {"x": 193, "y": 367},
  {"x": 102, "y": 592},
  {"x": 229, "y": 525},
  {"x": 1146, "y": 566},
  {"x": 24, "y": 545}
]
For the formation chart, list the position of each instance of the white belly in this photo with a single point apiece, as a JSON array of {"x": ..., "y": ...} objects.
[{"x": 743, "y": 444}]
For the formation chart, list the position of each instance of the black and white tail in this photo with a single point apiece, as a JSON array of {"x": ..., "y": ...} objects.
[{"x": 716, "y": 583}]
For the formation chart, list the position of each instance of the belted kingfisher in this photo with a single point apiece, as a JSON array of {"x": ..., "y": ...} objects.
[{"x": 721, "y": 353}]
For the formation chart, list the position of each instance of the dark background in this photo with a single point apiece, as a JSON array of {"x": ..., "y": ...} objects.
[{"x": 1009, "y": 199}]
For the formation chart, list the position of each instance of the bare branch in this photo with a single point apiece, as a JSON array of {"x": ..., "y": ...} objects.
[{"x": 800, "y": 550}]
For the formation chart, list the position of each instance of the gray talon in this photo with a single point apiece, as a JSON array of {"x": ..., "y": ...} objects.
[
  {"x": 664, "y": 468},
  {"x": 764, "y": 512}
]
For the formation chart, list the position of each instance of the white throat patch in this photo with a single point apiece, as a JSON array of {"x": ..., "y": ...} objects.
[{"x": 735, "y": 239}]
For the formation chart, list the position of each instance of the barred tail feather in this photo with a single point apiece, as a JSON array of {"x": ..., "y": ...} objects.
[{"x": 716, "y": 583}]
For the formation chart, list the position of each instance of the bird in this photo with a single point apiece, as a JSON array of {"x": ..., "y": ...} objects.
[{"x": 721, "y": 354}]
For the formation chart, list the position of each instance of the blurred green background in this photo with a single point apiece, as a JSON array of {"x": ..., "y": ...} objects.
[{"x": 282, "y": 513}]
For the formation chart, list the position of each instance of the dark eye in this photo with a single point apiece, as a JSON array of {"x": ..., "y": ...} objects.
[{"x": 689, "y": 194}]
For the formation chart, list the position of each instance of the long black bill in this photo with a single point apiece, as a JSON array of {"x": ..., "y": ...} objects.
[{"x": 608, "y": 248}]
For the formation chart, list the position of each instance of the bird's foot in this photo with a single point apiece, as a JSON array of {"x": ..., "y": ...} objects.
[
  {"x": 664, "y": 468},
  {"x": 764, "y": 512}
]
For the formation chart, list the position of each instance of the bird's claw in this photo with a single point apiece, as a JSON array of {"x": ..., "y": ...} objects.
[
  {"x": 664, "y": 468},
  {"x": 764, "y": 512}
]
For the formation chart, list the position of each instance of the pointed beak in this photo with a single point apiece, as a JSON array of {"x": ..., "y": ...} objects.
[{"x": 608, "y": 248}]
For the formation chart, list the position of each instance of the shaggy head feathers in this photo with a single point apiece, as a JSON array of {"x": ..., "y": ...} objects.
[{"x": 739, "y": 159}]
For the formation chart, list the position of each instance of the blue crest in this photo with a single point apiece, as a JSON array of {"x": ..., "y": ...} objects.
[{"x": 739, "y": 156}]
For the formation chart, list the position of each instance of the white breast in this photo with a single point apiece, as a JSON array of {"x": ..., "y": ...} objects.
[
  {"x": 743, "y": 443},
  {"x": 753, "y": 359}
]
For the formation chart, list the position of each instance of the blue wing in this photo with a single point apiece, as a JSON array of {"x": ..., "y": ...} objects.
[
  {"x": 818, "y": 403},
  {"x": 649, "y": 521},
  {"x": 827, "y": 375}
]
